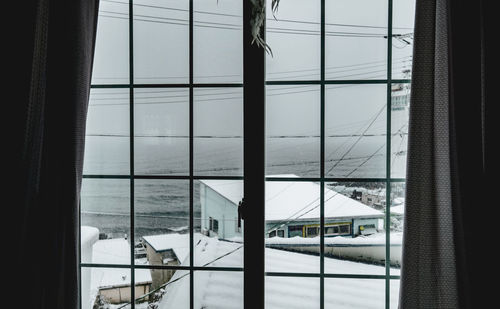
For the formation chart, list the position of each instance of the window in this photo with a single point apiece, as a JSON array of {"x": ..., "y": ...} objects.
[
  {"x": 344, "y": 229},
  {"x": 164, "y": 152},
  {"x": 215, "y": 225},
  {"x": 311, "y": 232},
  {"x": 337, "y": 104},
  {"x": 295, "y": 230},
  {"x": 337, "y": 229},
  {"x": 164, "y": 133}
]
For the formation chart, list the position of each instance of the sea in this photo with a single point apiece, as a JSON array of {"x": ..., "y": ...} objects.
[{"x": 162, "y": 205}]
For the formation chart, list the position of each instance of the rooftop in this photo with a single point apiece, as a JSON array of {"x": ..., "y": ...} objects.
[
  {"x": 297, "y": 200},
  {"x": 114, "y": 251},
  {"x": 179, "y": 243},
  {"x": 225, "y": 289}
]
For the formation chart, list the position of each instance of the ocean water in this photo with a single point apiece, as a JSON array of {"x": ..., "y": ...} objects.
[{"x": 162, "y": 206}]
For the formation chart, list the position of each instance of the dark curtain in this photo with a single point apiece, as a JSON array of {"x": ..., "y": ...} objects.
[
  {"x": 51, "y": 44},
  {"x": 448, "y": 238}
]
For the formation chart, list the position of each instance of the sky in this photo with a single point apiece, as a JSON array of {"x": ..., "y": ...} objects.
[{"x": 355, "y": 48}]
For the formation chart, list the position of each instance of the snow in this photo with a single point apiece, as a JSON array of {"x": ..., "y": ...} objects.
[
  {"x": 398, "y": 201},
  {"x": 113, "y": 251},
  {"x": 375, "y": 239},
  {"x": 377, "y": 192},
  {"x": 179, "y": 243},
  {"x": 298, "y": 200},
  {"x": 398, "y": 210},
  {"x": 216, "y": 289},
  {"x": 88, "y": 235}
]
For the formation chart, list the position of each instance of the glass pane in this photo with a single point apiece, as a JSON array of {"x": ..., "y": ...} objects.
[
  {"x": 107, "y": 141},
  {"x": 294, "y": 209},
  {"x": 293, "y": 34},
  {"x": 162, "y": 222},
  {"x": 218, "y": 131},
  {"x": 111, "y": 58},
  {"x": 355, "y": 228},
  {"x": 173, "y": 294},
  {"x": 218, "y": 289},
  {"x": 355, "y": 129},
  {"x": 161, "y": 41},
  {"x": 148, "y": 294},
  {"x": 218, "y": 232},
  {"x": 397, "y": 219},
  {"x": 105, "y": 221},
  {"x": 354, "y": 293},
  {"x": 394, "y": 293},
  {"x": 356, "y": 39},
  {"x": 106, "y": 288},
  {"x": 400, "y": 110},
  {"x": 292, "y": 130},
  {"x": 161, "y": 131},
  {"x": 403, "y": 20},
  {"x": 292, "y": 293},
  {"x": 218, "y": 41}
]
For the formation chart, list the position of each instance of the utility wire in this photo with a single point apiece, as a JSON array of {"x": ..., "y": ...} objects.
[
  {"x": 269, "y": 19},
  {"x": 179, "y": 278}
]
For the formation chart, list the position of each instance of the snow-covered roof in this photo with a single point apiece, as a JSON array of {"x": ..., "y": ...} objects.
[
  {"x": 377, "y": 192},
  {"x": 398, "y": 210},
  {"x": 88, "y": 235},
  {"x": 218, "y": 289},
  {"x": 114, "y": 251},
  {"x": 298, "y": 200},
  {"x": 179, "y": 243},
  {"x": 398, "y": 201}
]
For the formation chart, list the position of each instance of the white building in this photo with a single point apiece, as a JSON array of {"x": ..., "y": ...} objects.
[{"x": 292, "y": 209}]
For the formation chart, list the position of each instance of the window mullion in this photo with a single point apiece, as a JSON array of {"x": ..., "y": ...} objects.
[
  {"x": 322, "y": 159},
  {"x": 388, "y": 159},
  {"x": 132, "y": 168},
  {"x": 254, "y": 163}
]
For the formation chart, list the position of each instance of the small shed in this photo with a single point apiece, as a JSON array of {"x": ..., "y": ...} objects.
[{"x": 165, "y": 249}]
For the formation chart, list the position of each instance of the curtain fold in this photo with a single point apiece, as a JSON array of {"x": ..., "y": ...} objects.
[
  {"x": 61, "y": 40},
  {"x": 446, "y": 164}
]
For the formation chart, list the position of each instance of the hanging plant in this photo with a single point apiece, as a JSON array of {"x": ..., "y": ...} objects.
[{"x": 258, "y": 19}]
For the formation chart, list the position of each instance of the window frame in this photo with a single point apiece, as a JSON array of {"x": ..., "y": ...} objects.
[{"x": 254, "y": 177}]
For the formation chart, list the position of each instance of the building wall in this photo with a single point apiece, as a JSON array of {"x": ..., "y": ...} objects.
[
  {"x": 160, "y": 276},
  {"x": 122, "y": 294},
  {"x": 355, "y": 223},
  {"x": 89, "y": 237},
  {"x": 221, "y": 209},
  {"x": 358, "y": 222},
  {"x": 226, "y": 213},
  {"x": 372, "y": 199}
]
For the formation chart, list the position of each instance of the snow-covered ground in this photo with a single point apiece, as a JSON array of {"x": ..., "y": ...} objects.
[
  {"x": 221, "y": 289},
  {"x": 218, "y": 289}
]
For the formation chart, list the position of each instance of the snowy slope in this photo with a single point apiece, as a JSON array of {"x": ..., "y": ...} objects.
[{"x": 215, "y": 289}]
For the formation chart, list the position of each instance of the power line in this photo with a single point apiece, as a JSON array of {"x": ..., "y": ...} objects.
[
  {"x": 182, "y": 276},
  {"x": 239, "y": 27},
  {"x": 217, "y": 99},
  {"x": 359, "y": 138},
  {"x": 404, "y": 59},
  {"x": 269, "y": 19}
]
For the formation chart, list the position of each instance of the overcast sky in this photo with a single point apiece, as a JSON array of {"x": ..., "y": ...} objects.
[{"x": 355, "y": 48}]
